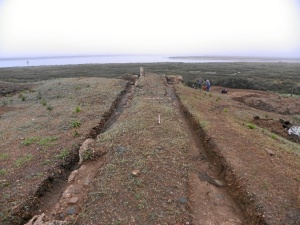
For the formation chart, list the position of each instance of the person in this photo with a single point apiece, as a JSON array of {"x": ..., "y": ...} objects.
[
  {"x": 207, "y": 84},
  {"x": 199, "y": 82}
]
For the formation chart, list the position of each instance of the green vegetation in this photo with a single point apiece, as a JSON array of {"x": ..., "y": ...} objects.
[
  {"x": 64, "y": 153},
  {"x": 76, "y": 124},
  {"x": 251, "y": 126},
  {"x": 78, "y": 109},
  {"x": 29, "y": 141},
  {"x": 49, "y": 107},
  {"x": 46, "y": 141},
  {"x": 4, "y": 156},
  {"x": 23, "y": 161},
  {"x": 2, "y": 172},
  {"x": 280, "y": 77}
]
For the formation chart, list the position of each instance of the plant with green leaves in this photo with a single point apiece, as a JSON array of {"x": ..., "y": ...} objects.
[
  {"x": 76, "y": 124},
  {"x": 23, "y": 160}
]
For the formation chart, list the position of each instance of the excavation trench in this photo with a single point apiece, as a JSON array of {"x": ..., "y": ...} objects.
[
  {"x": 46, "y": 198},
  {"x": 209, "y": 199}
]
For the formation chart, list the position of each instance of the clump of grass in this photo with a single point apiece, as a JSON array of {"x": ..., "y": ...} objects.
[
  {"x": 78, "y": 109},
  {"x": 64, "y": 153},
  {"x": 76, "y": 133},
  {"x": 43, "y": 102},
  {"x": 49, "y": 107},
  {"x": 4, "y": 156},
  {"x": 23, "y": 160},
  {"x": 4, "y": 102},
  {"x": 225, "y": 110},
  {"x": 218, "y": 99},
  {"x": 47, "y": 141},
  {"x": 29, "y": 141},
  {"x": 39, "y": 96},
  {"x": 274, "y": 136},
  {"x": 251, "y": 126},
  {"x": 76, "y": 124},
  {"x": 23, "y": 98},
  {"x": 2, "y": 172}
]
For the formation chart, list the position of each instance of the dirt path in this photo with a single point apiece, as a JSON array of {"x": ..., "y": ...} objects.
[{"x": 209, "y": 201}]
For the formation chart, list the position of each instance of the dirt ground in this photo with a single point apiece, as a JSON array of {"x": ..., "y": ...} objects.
[{"x": 169, "y": 155}]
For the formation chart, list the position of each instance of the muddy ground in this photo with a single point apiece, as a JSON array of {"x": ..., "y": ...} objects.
[{"x": 169, "y": 155}]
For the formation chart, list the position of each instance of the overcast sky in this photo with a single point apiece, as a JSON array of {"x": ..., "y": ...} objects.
[{"x": 190, "y": 27}]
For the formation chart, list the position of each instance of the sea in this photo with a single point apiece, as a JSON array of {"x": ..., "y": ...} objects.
[{"x": 105, "y": 59}]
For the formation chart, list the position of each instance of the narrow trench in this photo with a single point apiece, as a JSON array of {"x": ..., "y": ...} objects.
[
  {"x": 209, "y": 201},
  {"x": 50, "y": 191}
]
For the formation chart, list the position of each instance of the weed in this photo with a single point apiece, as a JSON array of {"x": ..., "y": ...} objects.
[
  {"x": 76, "y": 133},
  {"x": 2, "y": 172},
  {"x": 46, "y": 162},
  {"x": 47, "y": 141},
  {"x": 29, "y": 141},
  {"x": 76, "y": 124},
  {"x": 251, "y": 126},
  {"x": 43, "y": 102},
  {"x": 64, "y": 153},
  {"x": 23, "y": 161},
  {"x": 49, "y": 107},
  {"x": 218, "y": 99},
  {"x": 274, "y": 136},
  {"x": 4, "y": 156},
  {"x": 88, "y": 154},
  {"x": 225, "y": 110},
  {"x": 78, "y": 109},
  {"x": 39, "y": 96},
  {"x": 23, "y": 98}
]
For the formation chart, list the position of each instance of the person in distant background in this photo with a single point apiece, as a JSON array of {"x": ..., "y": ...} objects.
[{"x": 207, "y": 85}]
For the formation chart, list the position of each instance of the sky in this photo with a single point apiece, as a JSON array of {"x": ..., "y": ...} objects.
[{"x": 172, "y": 27}]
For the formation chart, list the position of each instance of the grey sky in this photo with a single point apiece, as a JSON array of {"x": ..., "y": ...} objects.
[{"x": 191, "y": 27}]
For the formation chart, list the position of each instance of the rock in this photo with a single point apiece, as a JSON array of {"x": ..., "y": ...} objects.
[
  {"x": 72, "y": 176},
  {"x": 120, "y": 149},
  {"x": 219, "y": 183},
  {"x": 71, "y": 211},
  {"x": 183, "y": 200},
  {"x": 174, "y": 79},
  {"x": 87, "y": 145},
  {"x": 135, "y": 173},
  {"x": 73, "y": 200},
  {"x": 270, "y": 152}
]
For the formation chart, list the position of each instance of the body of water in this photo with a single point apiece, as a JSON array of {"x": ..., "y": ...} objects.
[{"x": 69, "y": 60}]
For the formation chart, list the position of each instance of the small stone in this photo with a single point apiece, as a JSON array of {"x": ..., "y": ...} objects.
[
  {"x": 183, "y": 200},
  {"x": 270, "y": 152},
  {"x": 120, "y": 149},
  {"x": 135, "y": 173},
  {"x": 73, "y": 200},
  {"x": 72, "y": 176},
  {"x": 219, "y": 183},
  {"x": 71, "y": 211}
]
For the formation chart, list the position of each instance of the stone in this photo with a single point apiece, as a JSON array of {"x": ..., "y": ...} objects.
[
  {"x": 182, "y": 200},
  {"x": 73, "y": 200},
  {"x": 71, "y": 211},
  {"x": 219, "y": 183},
  {"x": 72, "y": 176},
  {"x": 120, "y": 149},
  {"x": 270, "y": 152},
  {"x": 135, "y": 173}
]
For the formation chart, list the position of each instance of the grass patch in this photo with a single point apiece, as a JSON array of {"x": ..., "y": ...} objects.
[
  {"x": 47, "y": 141},
  {"x": 2, "y": 172},
  {"x": 251, "y": 126},
  {"x": 29, "y": 141},
  {"x": 49, "y": 107},
  {"x": 75, "y": 124},
  {"x": 64, "y": 153},
  {"x": 4, "y": 156},
  {"x": 23, "y": 161},
  {"x": 78, "y": 109}
]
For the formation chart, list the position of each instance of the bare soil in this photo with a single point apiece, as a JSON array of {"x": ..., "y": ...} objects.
[{"x": 168, "y": 155}]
